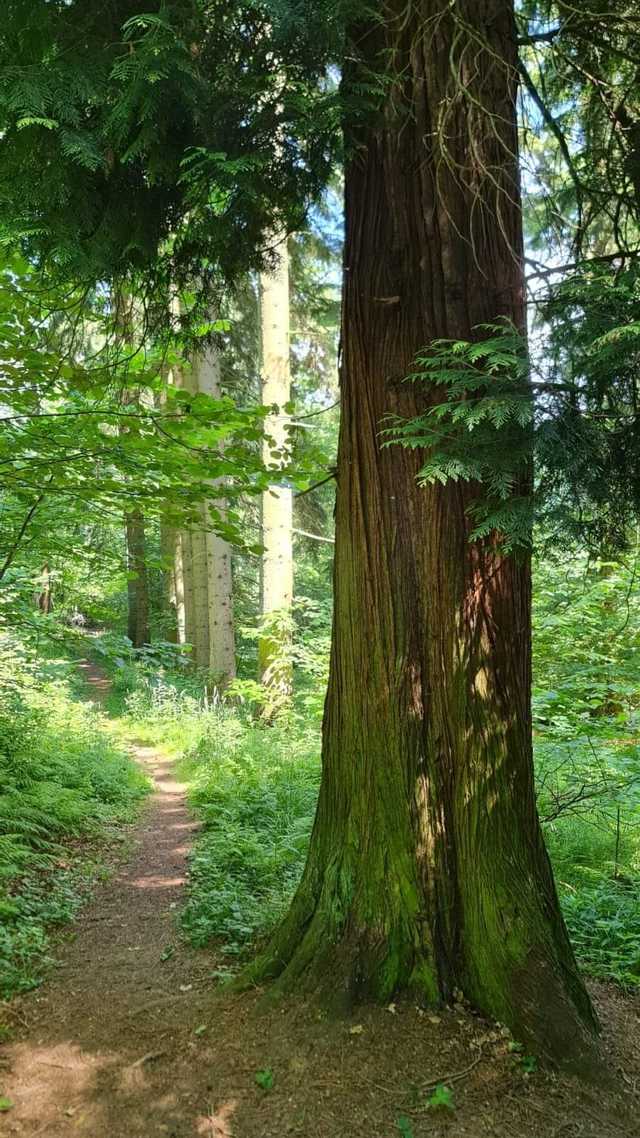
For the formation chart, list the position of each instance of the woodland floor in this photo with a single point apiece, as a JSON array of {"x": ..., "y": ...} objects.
[{"x": 128, "y": 1038}]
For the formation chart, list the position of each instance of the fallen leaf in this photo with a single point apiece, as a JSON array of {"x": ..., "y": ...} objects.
[
  {"x": 186, "y": 987},
  {"x": 392, "y": 1008},
  {"x": 356, "y": 1030},
  {"x": 218, "y": 1124}
]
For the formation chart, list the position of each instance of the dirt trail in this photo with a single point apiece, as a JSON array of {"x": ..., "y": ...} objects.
[
  {"x": 127, "y": 1039},
  {"x": 106, "y": 1027}
]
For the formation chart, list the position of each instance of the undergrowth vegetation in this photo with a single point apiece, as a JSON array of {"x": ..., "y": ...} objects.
[
  {"x": 254, "y": 786},
  {"x": 64, "y": 783}
]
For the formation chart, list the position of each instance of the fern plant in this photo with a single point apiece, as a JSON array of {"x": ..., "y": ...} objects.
[{"x": 478, "y": 427}]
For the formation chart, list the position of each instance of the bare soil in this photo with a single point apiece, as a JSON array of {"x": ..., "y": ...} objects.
[{"x": 130, "y": 1039}]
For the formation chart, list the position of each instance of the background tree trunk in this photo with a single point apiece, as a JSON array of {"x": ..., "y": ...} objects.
[
  {"x": 195, "y": 566},
  {"x": 222, "y": 650},
  {"x": 427, "y": 868},
  {"x": 277, "y": 502},
  {"x": 168, "y": 538},
  {"x": 184, "y": 587},
  {"x": 45, "y": 596},
  {"x": 137, "y": 584}
]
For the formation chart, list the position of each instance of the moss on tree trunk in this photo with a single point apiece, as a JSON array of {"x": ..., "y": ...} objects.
[{"x": 427, "y": 869}]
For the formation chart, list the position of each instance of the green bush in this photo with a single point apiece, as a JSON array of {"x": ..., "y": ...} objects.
[
  {"x": 255, "y": 789},
  {"x": 604, "y": 921}
]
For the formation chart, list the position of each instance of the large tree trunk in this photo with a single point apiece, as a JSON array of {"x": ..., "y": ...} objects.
[
  {"x": 277, "y": 502},
  {"x": 137, "y": 584},
  {"x": 427, "y": 868}
]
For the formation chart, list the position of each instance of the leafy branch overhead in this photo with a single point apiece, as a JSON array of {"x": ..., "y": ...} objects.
[
  {"x": 550, "y": 436},
  {"x": 93, "y": 428},
  {"x": 175, "y": 113}
]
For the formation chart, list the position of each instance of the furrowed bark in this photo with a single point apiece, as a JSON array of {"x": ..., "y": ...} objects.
[{"x": 427, "y": 869}]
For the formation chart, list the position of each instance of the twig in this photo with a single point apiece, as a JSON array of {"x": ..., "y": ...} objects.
[
  {"x": 315, "y": 486},
  {"x": 21, "y": 532},
  {"x": 321, "y": 411},
  {"x": 314, "y": 536},
  {"x": 150, "y": 1057},
  {"x": 378, "y": 1086},
  {"x": 454, "y": 1076}
]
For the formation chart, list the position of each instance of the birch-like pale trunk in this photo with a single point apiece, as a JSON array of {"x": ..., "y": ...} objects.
[
  {"x": 138, "y": 582},
  {"x": 183, "y": 574},
  {"x": 277, "y": 502},
  {"x": 202, "y": 582},
  {"x": 197, "y": 589},
  {"x": 221, "y": 647},
  {"x": 179, "y": 587},
  {"x": 167, "y": 549}
]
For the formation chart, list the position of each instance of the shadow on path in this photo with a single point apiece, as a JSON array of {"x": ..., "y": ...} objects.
[{"x": 109, "y": 1038}]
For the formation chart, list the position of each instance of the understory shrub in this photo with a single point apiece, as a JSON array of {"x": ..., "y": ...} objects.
[
  {"x": 255, "y": 786},
  {"x": 255, "y": 789},
  {"x": 62, "y": 778},
  {"x": 604, "y": 922}
]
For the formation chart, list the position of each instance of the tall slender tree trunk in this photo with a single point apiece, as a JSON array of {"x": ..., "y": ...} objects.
[
  {"x": 45, "y": 596},
  {"x": 194, "y": 564},
  {"x": 168, "y": 538},
  {"x": 137, "y": 584},
  {"x": 202, "y": 560},
  {"x": 277, "y": 502},
  {"x": 221, "y": 649},
  {"x": 184, "y": 587},
  {"x": 427, "y": 868}
]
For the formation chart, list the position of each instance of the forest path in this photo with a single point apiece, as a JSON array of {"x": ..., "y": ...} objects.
[
  {"x": 109, "y": 1039},
  {"x": 127, "y": 1038}
]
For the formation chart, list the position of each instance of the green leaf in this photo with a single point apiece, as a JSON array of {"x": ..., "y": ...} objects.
[
  {"x": 404, "y": 1126},
  {"x": 441, "y": 1097},
  {"x": 265, "y": 1079}
]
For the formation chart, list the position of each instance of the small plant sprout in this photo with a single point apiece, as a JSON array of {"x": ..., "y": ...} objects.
[
  {"x": 264, "y": 1079},
  {"x": 403, "y": 1126},
  {"x": 441, "y": 1098}
]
